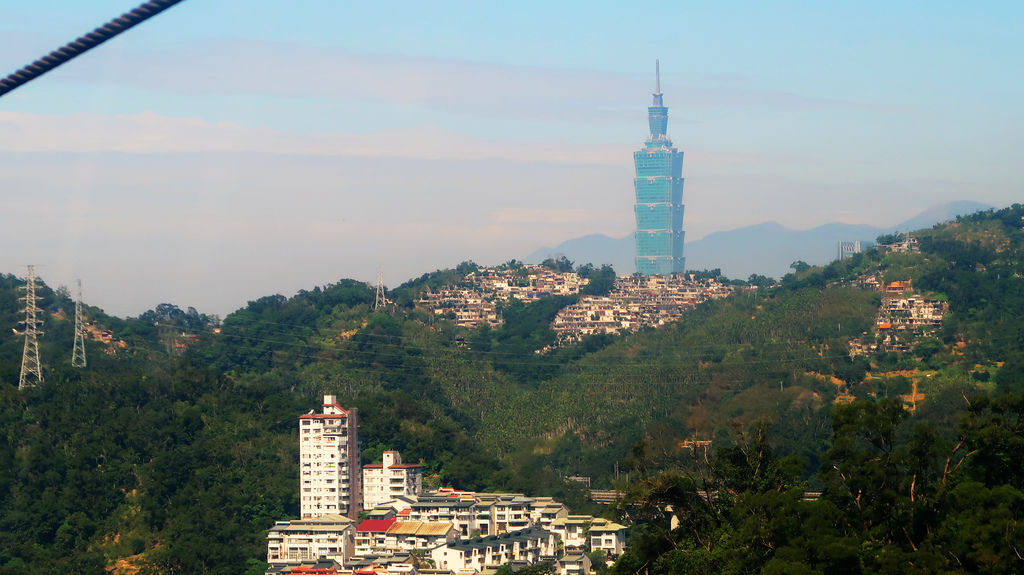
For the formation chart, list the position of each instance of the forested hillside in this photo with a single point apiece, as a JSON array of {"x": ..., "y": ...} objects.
[{"x": 177, "y": 448}]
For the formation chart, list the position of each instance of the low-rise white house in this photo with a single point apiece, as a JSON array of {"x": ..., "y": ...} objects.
[
  {"x": 609, "y": 537},
  {"x": 413, "y": 535},
  {"x": 507, "y": 512},
  {"x": 572, "y": 529},
  {"x": 573, "y": 563},
  {"x": 528, "y": 546},
  {"x": 545, "y": 510},
  {"x": 458, "y": 510},
  {"x": 370, "y": 536},
  {"x": 325, "y": 537}
]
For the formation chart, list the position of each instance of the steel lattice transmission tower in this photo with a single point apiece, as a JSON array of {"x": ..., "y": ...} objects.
[
  {"x": 78, "y": 355},
  {"x": 31, "y": 367},
  {"x": 380, "y": 301}
]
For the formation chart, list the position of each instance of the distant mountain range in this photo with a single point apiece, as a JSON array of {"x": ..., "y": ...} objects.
[{"x": 766, "y": 249}]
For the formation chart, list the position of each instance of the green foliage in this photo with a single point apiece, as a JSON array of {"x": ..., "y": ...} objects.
[
  {"x": 897, "y": 499},
  {"x": 561, "y": 264},
  {"x": 171, "y": 315},
  {"x": 887, "y": 239},
  {"x": 705, "y": 274},
  {"x": 602, "y": 279},
  {"x": 181, "y": 463}
]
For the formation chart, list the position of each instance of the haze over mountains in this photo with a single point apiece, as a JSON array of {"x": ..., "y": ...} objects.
[{"x": 766, "y": 249}]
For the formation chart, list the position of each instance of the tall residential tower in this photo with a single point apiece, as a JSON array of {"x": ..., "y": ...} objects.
[
  {"x": 329, "y": 462},
  {"x": 659, "y": 195}
]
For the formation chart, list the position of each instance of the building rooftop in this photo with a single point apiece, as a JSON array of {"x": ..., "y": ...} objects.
[
  {"x": 375, "y": 525},
  {"x": 505, "y": 538},
  {"x": 441, "y": 502},
  {"x": 605, "y": 526},
  {"x": 396, "y": 466},
  {"x": 424, "y": 528},
  {"x": 572, "y": 520},
  {"x": 328, "y": 521}
]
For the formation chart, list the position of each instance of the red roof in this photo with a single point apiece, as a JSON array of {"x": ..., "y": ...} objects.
[
  {"x": 375, "y": 525},
  {"x": 401, "y": 466}
]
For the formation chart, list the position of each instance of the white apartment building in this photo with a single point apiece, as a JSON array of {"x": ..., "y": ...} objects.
[
  {"x": 573, "y": 563},
  {"x": 385, "y": 481},
  {"x": 572, "y": 530},
  {"x": 329, "y": 478},
  {"x": 607, "y": 536},
  {"x": 528, "y": 546},
  {"x": 327, "y": 536}
]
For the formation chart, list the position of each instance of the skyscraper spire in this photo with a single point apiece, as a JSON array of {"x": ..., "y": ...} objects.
[{"x": 658, "y": 114}]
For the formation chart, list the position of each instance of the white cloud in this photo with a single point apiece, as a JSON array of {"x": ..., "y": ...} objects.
[
  {"x": 456, "y": 86},
  {"x": 151, "y": 133}
]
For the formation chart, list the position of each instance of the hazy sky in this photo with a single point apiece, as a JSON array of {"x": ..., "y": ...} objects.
[{"x": 231, "y": 149}]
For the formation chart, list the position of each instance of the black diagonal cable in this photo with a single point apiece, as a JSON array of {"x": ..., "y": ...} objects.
[{"x": 85, "y": 43}]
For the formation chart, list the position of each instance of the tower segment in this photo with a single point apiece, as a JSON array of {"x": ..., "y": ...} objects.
[
  {"x": 659, "y": 194},
  {"x": 31, "y": 367},
  {"x": 78, "y": 352},
  {"x": 379, "y": 301}
]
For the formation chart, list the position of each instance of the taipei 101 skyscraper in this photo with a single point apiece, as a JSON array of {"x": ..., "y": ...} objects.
[{"x": 659, "y": 195}]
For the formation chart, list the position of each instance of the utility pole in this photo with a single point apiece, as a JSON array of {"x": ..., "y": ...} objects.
[
  {"x": 31, "y": 367},
  {"x": 380, "y": 301},
  {"x": 78, "y": 354}
]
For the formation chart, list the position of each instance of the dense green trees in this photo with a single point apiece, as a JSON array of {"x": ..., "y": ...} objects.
[
  {"x": 897, "y": 499},
  {"x": 181, "y": 463}
]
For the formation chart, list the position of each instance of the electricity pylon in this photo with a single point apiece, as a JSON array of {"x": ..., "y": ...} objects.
[
  {"x": 31, "y": 367},
  {"x": 380, "y": 301},
  {"x": 78, "y": 354}
]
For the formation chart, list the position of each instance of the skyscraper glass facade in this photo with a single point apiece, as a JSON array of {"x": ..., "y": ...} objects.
[{"x": 659, "y": 197}]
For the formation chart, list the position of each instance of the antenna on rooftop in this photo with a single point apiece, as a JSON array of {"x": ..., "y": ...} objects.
[
  {"x": 657, "y": 76},
  {"x": 31, "y": 367},
  {"x": 78, "y": 353}
]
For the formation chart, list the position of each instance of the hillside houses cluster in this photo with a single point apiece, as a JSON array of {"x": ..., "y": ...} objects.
[
  {"x": 445, "y": 531},
  {"x": 379, "y": 520},
  {"x": 635, "y": 302},
  {"x": 905, "y": 245},
  {"x": 902, "y": 318},
  {"x": 474, "y": 301}
]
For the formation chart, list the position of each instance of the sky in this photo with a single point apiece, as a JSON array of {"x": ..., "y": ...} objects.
[{"x": 228, "y": 150}]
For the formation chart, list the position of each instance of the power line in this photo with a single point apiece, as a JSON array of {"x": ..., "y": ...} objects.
[
  {"x": 83, "y": 44},
  {"x": 31, "y": 367}
]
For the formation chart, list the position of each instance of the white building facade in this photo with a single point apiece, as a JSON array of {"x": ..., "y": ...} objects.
[
  {"x": 383, "y": 482},
  {"x": 329, "y": 477},
  {"x": 528, "y": 546},
  {"x": 303, "y": 540}
]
